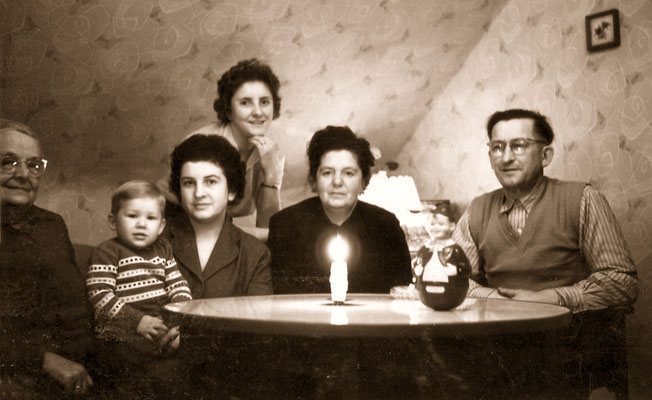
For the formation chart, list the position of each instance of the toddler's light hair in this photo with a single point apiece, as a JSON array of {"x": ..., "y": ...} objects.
[{"x": 136, "y": 189}]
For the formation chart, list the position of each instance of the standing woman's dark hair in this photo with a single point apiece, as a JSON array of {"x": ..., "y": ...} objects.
[
  {"x": 215, "y": 149},
  {"x": 333, "y": 138},
  {"x": 245, "y": 71}
]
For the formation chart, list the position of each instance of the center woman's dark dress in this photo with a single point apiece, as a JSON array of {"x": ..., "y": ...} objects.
[
  {"x": 379, "y": 259},
  {"x": 299, "y": 235}
]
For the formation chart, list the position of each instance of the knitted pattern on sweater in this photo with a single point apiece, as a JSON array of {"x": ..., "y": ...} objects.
[{"x": 124, "y": 284}]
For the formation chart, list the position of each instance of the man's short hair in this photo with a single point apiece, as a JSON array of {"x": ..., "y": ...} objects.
[
  {"x": 136, "y": 190},
  {"x": 541, "y": 125}
]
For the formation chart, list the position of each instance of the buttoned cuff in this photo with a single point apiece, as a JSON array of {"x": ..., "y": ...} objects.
[
  {"x": 481, "y": 292},
  {"x": 571, "y": 297}
]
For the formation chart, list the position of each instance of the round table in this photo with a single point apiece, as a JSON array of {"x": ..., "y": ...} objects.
[{"x": 365, "y": 315}]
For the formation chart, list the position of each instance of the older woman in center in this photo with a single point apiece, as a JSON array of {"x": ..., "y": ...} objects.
[
  {"x": 340, "y": 169},
  {"x": 217, "y": 258}
]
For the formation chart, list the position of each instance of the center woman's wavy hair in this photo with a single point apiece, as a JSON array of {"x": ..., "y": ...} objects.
[
  {"x": 251, "y": 70},
  {"x": 211, "y": 148},
  {"x": 334, "y": 138}
]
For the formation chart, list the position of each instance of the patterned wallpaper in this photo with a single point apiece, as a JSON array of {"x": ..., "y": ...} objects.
[
  {"x": 112, "y": 85},
  {"x": 600, "y": 106}
]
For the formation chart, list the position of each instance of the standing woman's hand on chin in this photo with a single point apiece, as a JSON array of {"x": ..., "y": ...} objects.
[{"x": 272, "y": 162}]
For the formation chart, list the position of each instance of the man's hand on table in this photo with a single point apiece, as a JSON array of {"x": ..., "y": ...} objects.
[
  {"x": 71, "y": 375},
  {"x": 549, "y": 296}
]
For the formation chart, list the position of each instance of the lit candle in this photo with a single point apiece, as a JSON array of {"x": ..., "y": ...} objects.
[{"x": 338, "y": 251}]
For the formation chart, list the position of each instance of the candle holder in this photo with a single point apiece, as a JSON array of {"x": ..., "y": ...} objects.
[{"x": 338, "y": 250}]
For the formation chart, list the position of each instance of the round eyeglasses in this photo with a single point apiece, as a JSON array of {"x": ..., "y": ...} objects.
[
  {"x": 519, "y": 146},
  {"x": 35, "y": 166}
]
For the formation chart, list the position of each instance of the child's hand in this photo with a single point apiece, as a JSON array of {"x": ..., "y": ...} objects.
[
  {"x": 170, "y": 340},
  {"x": 150, "y": 327}
]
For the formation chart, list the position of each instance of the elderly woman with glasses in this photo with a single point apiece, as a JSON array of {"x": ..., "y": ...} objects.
[{"x": 43, "y": 314}]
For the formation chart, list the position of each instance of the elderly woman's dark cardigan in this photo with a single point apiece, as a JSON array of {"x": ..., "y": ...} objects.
[{"x": 43, "y": 303}]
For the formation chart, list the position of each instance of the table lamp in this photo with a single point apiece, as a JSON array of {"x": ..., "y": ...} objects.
[{"x": 338, "y": 250}]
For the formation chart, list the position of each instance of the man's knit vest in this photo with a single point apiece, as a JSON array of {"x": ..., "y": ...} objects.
[{"x": 546, "y": 254}]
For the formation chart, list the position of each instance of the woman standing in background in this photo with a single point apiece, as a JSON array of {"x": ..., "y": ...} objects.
[{"x": 247, "y": 102}]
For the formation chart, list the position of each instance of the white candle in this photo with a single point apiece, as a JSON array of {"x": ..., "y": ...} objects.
[{"x": 338, "y": 251}]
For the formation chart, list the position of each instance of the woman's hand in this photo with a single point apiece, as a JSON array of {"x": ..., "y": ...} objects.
[
  {"x": 71, "y": 375},
  {"x": 272, "y": 161},
  {"x": 150, "y": 327}
]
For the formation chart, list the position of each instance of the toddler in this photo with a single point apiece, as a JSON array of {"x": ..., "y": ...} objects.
[{"x": 134, "y": 274}]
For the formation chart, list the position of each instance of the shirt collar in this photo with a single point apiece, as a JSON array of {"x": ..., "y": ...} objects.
[{"x": 526, "y": 201}]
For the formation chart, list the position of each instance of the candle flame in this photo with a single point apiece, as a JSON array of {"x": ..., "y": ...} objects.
[{"x": 338, "y": 249}]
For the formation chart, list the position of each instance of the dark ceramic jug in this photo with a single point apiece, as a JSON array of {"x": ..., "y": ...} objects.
[{"x": 446, "y": 287}]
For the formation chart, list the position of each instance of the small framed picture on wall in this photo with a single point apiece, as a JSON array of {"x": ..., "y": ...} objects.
[{"x": 602, "y": 30}]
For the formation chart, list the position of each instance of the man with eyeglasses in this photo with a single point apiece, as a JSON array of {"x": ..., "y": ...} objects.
[
  {"x": 550, "y": 241},
  {"x": 542, "y": 239},
  {"x": 44, "y": 320}
]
